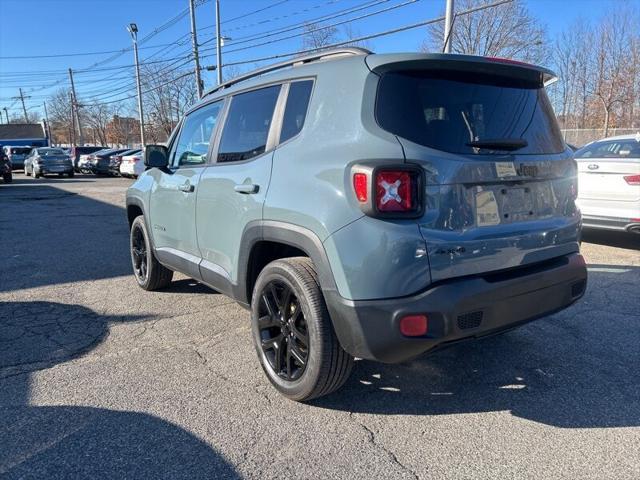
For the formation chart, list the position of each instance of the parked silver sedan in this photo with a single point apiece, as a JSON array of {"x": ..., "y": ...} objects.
[{"x": 47, "y": 160}]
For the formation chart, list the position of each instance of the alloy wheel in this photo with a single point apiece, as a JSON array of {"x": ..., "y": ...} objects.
[
  {"x": 284, "y": 337},
  {"x": 139, "y": 253}
]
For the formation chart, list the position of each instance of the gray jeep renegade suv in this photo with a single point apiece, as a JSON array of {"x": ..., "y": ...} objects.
[{"x": 362, "y": 205}]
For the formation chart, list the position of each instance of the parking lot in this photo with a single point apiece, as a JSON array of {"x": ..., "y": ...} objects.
[{"x": 101, "y": 379}]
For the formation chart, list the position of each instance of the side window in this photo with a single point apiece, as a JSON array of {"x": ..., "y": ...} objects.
[
  {"x": 192, "y": 144},
  {"x": 247, "y": 127},
  {"x": 296, "y": 109}
]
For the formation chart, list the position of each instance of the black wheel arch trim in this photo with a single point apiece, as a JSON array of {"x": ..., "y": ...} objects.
[{"x": 307, "y": 241}]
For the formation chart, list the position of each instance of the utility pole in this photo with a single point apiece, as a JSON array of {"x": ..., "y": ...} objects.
[
  {"x": 194, "y": 40},
  {"x": 6, "y": 113},
  {"x": 75, "y": 108},
  {"x": 218, "y": 43},
  {"x": 133, "y": 30},
  {"x": 46, "y": 118},
  {"x": 448, "y": 25},
  {"x": 24, "y": 109},
  {"x": 72, "y": 136}
]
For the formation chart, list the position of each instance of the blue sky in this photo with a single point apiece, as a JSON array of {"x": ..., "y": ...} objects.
[{"x": 54, "y": 27}]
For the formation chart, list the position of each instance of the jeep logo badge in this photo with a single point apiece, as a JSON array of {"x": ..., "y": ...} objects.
[{"x": 593, "y": 166}]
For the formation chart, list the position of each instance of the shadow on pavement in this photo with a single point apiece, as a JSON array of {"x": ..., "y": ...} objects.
[
  {"x": 68, "y": 442},
  {"x": 626, "y": 240},
  {"x": 52, "y": 236},
  {"x": 575, "y": 369}
]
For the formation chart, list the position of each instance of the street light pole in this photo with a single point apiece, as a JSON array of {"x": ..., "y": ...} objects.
[
  {"x": 448, "y": 25},
  {"x": 133, "y": 30},
  {"x": 218, "y": 43},
  {"x": 194, "y": 40}
]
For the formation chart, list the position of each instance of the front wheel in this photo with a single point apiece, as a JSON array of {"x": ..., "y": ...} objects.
[
  {"x": 7, "y": 177},
  {"x": 71, "y": 174},
  {"x": 292, "y": 331},
  {"x": 149, "y": 273}
]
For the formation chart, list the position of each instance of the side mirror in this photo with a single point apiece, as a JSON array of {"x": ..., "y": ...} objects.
[{"x": 156, "y": 156}]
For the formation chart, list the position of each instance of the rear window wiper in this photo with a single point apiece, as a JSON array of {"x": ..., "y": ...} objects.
[{"x": 499, "y": 143}]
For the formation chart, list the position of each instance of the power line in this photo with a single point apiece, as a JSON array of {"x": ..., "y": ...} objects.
[
  {"x": 78, "y": 54},
  {"x": 369, "y": 37},
  {"x": 320, "y": 28}
]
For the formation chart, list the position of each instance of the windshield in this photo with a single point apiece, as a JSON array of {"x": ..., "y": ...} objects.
[{"x": 471, "y": 114}]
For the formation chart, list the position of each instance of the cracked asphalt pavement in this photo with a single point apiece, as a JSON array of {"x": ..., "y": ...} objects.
[{"x": 99, "y": 379}]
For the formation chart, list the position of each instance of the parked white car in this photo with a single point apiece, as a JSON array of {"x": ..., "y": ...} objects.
[
  {"x": 132, "y": 165},
  {"x": 609, "y": 183}
]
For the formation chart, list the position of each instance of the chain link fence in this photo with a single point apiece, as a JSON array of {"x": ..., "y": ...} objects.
[{"x": 582, "y": 136}]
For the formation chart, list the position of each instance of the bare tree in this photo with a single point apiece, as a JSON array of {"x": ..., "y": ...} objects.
[
  {"x": 599, "y": 69},
  {"x": 317, "y": 38},
  {"x": 96, "y": 118},
  {"x": 169, "y": 92},
  {"x": 32, "y": 117},
  {"x": 508, "y": 31},
  {"x": 351, "y": 32},
  {"x": 60, "y": 117}
]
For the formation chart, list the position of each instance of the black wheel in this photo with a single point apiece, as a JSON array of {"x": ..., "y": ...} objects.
[
  {"x": 149, "y": 273},
  {"x": 293, "y": 334},
  {"x": 36, "y": 174},
  {"x": 71, "y": 174},
  {"x": 7, "y": 177}
]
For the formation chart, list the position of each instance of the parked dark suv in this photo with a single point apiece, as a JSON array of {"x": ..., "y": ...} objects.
[{"x": 361, "y": 205}]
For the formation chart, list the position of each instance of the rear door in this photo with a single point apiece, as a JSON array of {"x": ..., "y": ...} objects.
[
  {"x": 609, "y": 178},
  {"x": 173, "y": 197},
  {"x": 232, "y": 190},
  {"x": 500, "y": 182}
]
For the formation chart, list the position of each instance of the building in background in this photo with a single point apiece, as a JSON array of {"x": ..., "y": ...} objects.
[
  {"x": 123, "y": 131},
  {"x": 18, "y": 134}
]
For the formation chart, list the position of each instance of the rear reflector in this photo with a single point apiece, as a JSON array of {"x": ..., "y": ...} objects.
[
  {"x": 414, "y": 325},
  {"x": 632, "y": 179},
  {"x": 360, "y": 186}
]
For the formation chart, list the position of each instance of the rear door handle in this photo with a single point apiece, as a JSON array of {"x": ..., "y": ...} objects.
[
  {"x": 186, "y": 187},
  {"x": 246, "y": 188}
]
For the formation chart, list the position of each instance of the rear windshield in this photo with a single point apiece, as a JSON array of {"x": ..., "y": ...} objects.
[
  {"x": 50, "y": 151},
  {"x": 448, "y": 110},
  {"x": 83, "y": 150},
  {"x": 20, "y": 151},
  {"x": 611, "y": 149}
]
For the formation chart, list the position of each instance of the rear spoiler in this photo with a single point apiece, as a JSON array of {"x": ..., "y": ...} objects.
[{"x": 462, "y": 63}]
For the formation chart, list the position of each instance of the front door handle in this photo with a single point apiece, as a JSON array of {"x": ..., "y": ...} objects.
[
  {"x": 186, "y": 187},
  {"x": 246, "y": 188}
]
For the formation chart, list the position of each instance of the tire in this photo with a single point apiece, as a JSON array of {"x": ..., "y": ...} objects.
[
  {"x": 71, "y": 174},
  {"x": 7, "y": 177},
  {"x": 149, "y": 273},
  {"x": 36, "y": 174},
  {"x": 325, "y": 366}
]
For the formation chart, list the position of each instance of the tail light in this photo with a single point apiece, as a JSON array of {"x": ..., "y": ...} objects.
[
  {"x": 632, "y": 179},
  {"x": 394, "y": 191},
  {"x": 389, "y": 191}
]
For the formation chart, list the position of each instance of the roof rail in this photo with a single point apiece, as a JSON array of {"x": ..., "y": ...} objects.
[{"x": 312, "y": 57}]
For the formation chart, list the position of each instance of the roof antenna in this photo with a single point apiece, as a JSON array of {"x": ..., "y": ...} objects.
[{"x": 446, "y": 40}]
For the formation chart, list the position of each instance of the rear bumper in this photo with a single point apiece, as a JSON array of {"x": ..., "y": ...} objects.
[
  {"x": 611, "y": 223},
  {"x": 458, "y": 309},
  {"x": 51, "y": 169}
]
